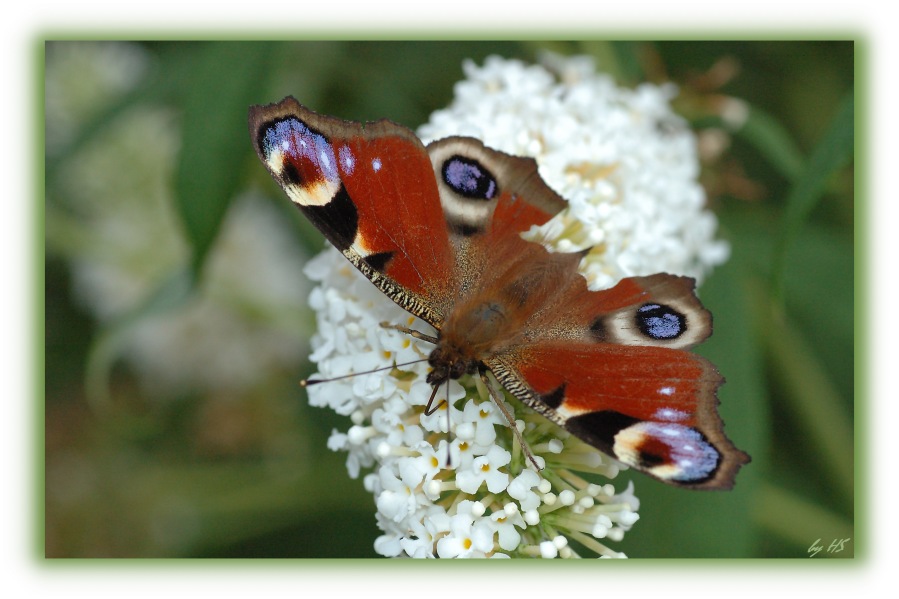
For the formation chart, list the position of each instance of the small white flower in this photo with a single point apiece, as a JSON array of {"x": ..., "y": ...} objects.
[
  {"x": 485, "y": 469},
  {"x": 506, "y": 523},
  {"x": 429, "y": 464},
  {"x": 424, "y": 532},
  {"x": 485, "y": 415},
  {"x": 521, "y": 487},
  {"x": 397, "y": 498},
  {"x": 470, "y": 534},
  {"x": 446, "y": 414}
]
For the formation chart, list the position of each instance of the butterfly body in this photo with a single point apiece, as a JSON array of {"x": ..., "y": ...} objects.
[
  {"x": 438, "y": 230},
  {"x": 504, "y": 307}
]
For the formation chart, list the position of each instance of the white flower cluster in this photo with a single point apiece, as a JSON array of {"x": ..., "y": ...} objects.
[{"x": 457, "y": 483}]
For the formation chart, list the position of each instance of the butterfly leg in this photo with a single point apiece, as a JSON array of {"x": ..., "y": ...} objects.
[
  {"x": 411, "y": 332},
  {"x": 498, "y": 400},
  {"x": 428, "y": 409}
]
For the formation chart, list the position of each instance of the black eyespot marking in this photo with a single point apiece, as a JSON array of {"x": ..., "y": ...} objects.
[
  {"x": 599, "y": 428},
  {"x": 683, "y": 447},
  {"x": 598, "y": 330},
  {"x": 379, "y": 261},
  {"x": 648, "y": 459},
  {"x": 555, "y": 397},
  {"x": 469, "y": 178},
  {"x": 464, "y": 230},
  {"x": 290, "y": 175},
  {"x": 338, "y": 219},
  {"x": 660, "y": 322}
]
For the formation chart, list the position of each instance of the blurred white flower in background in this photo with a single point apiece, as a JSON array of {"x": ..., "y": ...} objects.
[{"x": 117, "y": 226}]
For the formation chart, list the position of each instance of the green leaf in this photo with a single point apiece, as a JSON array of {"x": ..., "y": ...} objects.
[
  {"x": 832, "y": 153},
  {"x": 800, "y": 521},
  {"x": 812, "y": 397},
  {"x": 773, "y": 142},
  {"x": 820, "y": 300},
  {"x": 226, "y": 80}
]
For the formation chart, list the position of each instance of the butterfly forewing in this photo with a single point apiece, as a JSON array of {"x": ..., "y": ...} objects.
[{"x": 371, "y": 191}]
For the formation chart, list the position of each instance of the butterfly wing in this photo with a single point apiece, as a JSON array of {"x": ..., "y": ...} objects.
[
  {"x": 622, "y": 381},
  {"x": 485, "y": 192},
  {"x": 400, "y": 212},
  {"x": 370, "y": 190}
]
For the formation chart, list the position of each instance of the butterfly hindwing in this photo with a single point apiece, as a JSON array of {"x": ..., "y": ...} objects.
[
  {"x": 484, "y": 191},
  {"x": 622, "y": 381},
  {"x": 659, "y": 309}
]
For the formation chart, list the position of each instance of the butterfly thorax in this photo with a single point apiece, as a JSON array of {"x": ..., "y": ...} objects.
[
  {"x": 495, "y": 314},
  {"x": 471, "y": 334}
]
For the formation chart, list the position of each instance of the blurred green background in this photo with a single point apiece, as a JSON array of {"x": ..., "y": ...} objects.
[{"x": 173, "y": 424}]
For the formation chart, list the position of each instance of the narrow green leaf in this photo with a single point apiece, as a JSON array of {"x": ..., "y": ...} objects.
[
  {"x": 227, "y": 78},
  {"x": 816, "y": 402},
  {"x": 800, "y": 521},
  {"x": 773, "y": 142},
  {"x": 832, "y": 153},
  {"x": 820, "y": 300}
]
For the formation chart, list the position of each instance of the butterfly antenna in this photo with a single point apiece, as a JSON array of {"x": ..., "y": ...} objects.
[
  {"x": 494, "y": 395},
  {"x": 310, "y": 382},
  {"x": 410, "y": 332}
]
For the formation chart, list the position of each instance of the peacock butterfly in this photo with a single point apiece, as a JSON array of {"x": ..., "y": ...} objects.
[{"x": 438, "y": 230}]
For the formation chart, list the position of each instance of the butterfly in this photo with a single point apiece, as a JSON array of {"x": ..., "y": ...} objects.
[{"x": 438, "y": 230}]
